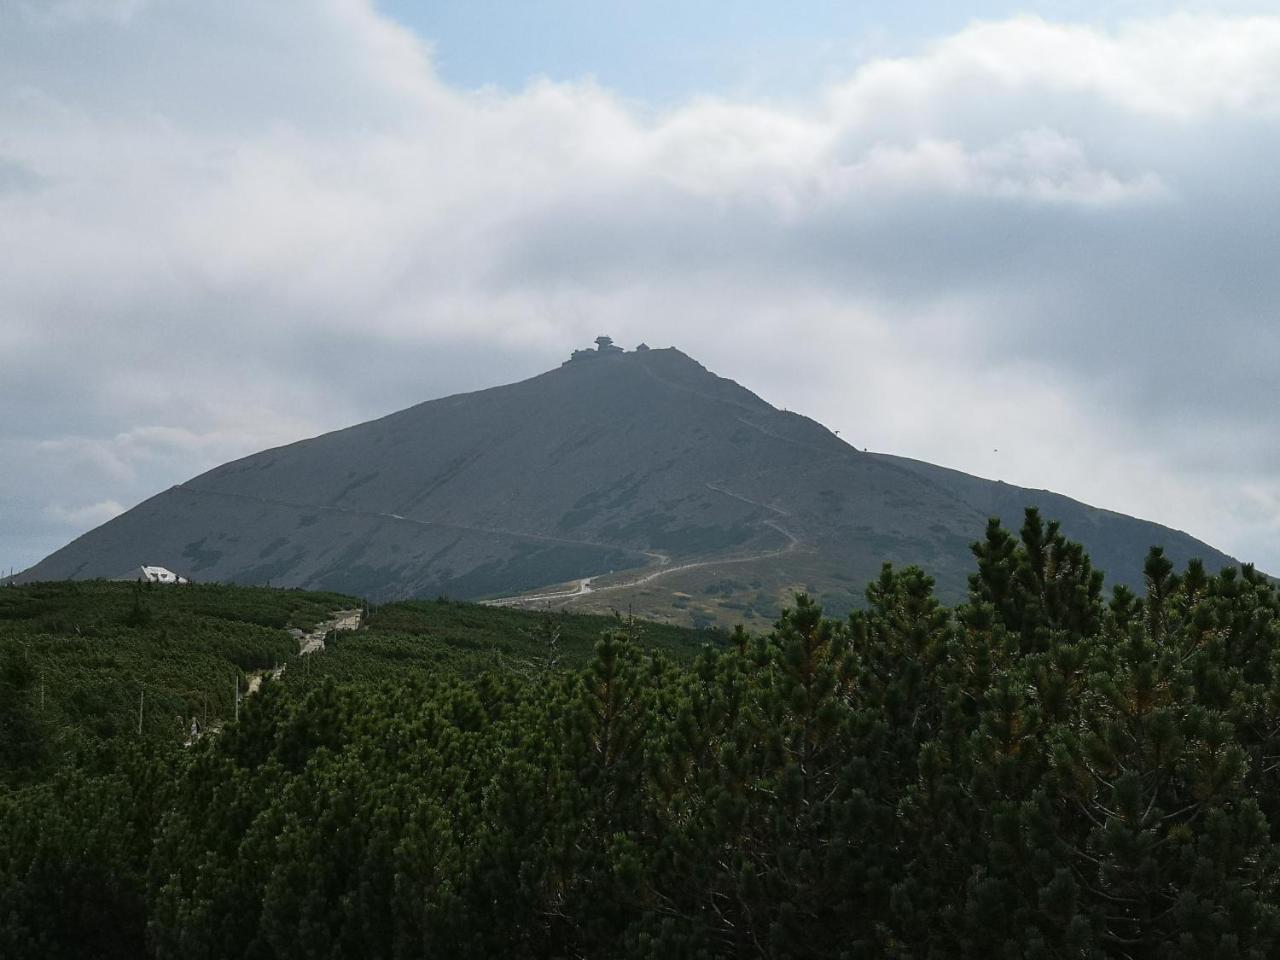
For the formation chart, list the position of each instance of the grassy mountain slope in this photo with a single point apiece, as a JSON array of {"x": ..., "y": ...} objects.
[{"x": 642, "y": 472}]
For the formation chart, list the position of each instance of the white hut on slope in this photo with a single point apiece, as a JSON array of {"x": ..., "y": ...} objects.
[{"x": 158, "y": 575}]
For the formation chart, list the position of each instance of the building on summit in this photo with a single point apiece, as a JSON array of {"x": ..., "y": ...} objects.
[{"x": 604, "y": 345}]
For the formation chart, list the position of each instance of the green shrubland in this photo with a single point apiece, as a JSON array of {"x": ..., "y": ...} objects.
[
  {"x": 86, "y": 662},
  {"x": 1048, "y": 769}
]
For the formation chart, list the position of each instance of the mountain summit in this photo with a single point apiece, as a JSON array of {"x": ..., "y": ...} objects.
[{"x": 634, "y": 478}]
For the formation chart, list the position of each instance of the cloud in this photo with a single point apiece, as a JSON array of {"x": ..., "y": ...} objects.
[
  {"x": 231, "y": 225},
  {"x": 63, "y": 13},
  {"x": 136, "y": 454},
  {"x": 89, "y": 515},
  {"x": 1173, "y": 68}
]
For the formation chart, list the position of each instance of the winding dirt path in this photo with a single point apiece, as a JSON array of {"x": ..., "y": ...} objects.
[
  {"x": 308, "y": 643},
  {"x": 581, "y": 588},
  {"x": 584, "y": 586}
]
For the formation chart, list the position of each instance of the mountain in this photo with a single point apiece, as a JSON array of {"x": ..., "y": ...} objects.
[{"x": 627, "y": 478}]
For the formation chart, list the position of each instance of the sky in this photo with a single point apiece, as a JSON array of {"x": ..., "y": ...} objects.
[{"x": 1035, "y": 242}]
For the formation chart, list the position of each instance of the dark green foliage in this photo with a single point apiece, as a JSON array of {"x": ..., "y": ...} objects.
[
  {"x": 76, "y": 659},
  {"x": 466, "y": 626},
  {"x": 74, "y": 853},
  {"x": 426, "y": 638},
  {"x": 24, "y": 736},
  {"x": 1042, "y": 771}
]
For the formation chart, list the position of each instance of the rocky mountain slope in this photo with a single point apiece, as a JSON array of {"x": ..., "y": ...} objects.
[{"x": 636, "y": 479}]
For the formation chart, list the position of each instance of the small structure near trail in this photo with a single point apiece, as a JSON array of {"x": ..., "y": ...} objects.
[{"x": 148, "y": 574}]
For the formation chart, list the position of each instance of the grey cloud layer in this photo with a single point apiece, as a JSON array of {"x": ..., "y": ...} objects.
[{"x": 232, "y": 225}]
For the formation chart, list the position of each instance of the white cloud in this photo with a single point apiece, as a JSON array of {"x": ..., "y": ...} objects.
[
  {"x": 1040, "y": 166},
  {"x": 137, "y": 455},
  {"x": 89, "y": 515},
  {"x": 240, "y": 223},
  {"x": 1172, "y": 68}
]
